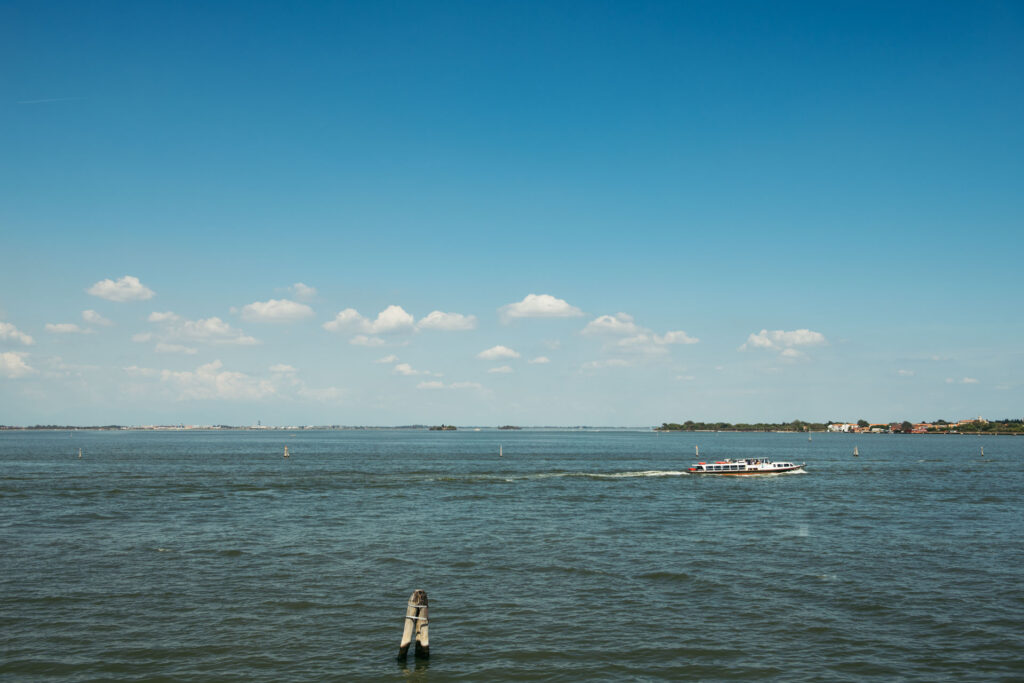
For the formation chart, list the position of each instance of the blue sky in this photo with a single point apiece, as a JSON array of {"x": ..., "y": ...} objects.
[{"x": 785, "y": 211}]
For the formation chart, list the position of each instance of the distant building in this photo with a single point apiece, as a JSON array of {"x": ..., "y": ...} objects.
[{"x": 842, "y": 427}]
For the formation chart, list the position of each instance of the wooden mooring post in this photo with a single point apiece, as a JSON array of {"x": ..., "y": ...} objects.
[{"x": 416, "y": 622}]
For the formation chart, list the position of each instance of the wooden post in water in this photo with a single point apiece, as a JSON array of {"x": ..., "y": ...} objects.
[{"x": 415, "y": 622}]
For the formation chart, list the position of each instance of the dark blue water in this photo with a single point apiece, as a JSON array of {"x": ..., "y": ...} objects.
[{"x": 577, "y": 555}]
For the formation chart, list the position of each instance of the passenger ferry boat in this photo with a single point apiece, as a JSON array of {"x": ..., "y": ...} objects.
[{"x": 745, "y": 466}]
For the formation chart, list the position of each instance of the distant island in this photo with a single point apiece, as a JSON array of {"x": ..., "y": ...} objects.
[
  {"x": 509, "y": 427},
  {"x": 977, "y": 425},
  {"x": 443, "y": 428}
]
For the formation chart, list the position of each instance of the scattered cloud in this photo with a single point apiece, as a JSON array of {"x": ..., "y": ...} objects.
[
  {"x": 406, "y": 369},
  {"x": 13, "y": 365},
  {"x": 164, "y": 347},
  {"x": 969, "y": 380},
  {"x": 211, "y": 381},
  {"x": 392, "y": 320},
  {"x": 539, "y": 360},
  {"x": 303, "y": 292},
  {"x": 66, "y": 328},
  {"x": 276, "y": 311},
  {"x": 781, "y": 340},
  {"x": 434, "y": 384},
  {"x": 634, "y": 338},
  {"x": 620, "y": 323},
  {"x": 502, "y": 369},
  {"x": 127, "y": 288},
  {"x": 609, "y": 363},
  {"x": 215, "y": 330},
  {"x": 9, "y": 331},
  {"x": 363, "y": 340},
  {"x": 438, "y": 320},
  {"x": 209, "y": 330},
  {"x": 675, "y": 337},
  {"x": 390, "y": 358},
  {"x": 136, "y": 371},
  {"x": 283, "y": 369},
  {"x": 93, "y": 318},
  {"x": 496, "y": 352},
  {"x": 905, "y": 373},
  {"x": 539, "y": 306}
]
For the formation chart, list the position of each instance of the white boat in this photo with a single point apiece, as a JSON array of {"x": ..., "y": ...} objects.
[{"x": 745, "y": 466}]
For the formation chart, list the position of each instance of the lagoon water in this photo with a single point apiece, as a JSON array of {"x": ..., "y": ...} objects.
[{"x": 578, "y": 555}]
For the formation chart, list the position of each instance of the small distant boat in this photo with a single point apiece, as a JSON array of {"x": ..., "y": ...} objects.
[
  {"x": 744, "y": 466},
  {"x": 856, "y": 454},
  {"x": 982, "y": 452},
  {"x": 696, "y": 451},
  {"x": 80, "y": 453},
  {"x": 286, "y": 451},
  {"x": 499, "y": 451}
]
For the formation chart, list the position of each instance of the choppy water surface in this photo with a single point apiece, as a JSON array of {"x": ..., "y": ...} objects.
[{"x": 577, "y": 555}]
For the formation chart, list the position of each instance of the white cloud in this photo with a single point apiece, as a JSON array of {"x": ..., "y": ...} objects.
[
  {"x": 502, "y": 369},
  {"x": 164, "y": 347},
  {"x": 363, "y": 340},
  {"x": 127, "y": 288},
  {"x": 303, "y": 292},
  {"x": 635, "y": 339},
  {"x": 791, "y": 353},
  {"x": 406, "y": 369},
  {"x": 211, "y": 330},
  {"x": 610, "y": 363},
  {"x": 276, "y": 311},
  {"x": 675, "y": 337},
  {"x": 539, "y": 360},
  {"x": 905, "y": 373},
  {"x": 438, "y": 320},
  {"x": 93, "y": 318},
  {"x": 214, "y": 330},
  {"x": 779, "y": 340},
  {"x": 620, "y": 323},
  {"x": 390, "y": 358},
  {"x": 496, "y": 352},
  {"x": 434, "y": 384},
  {"x": 13, "y": 365},
  {"x": 391, "y": 320},
  {"x": 210, "y": 381},
  {"x": 9, "y": 331},
  {"x": 539, "y": 306},
  {"x": 136, "y": 371},
  {"x": 968, "y": 380},
  {"x": 346, "y": 320},
  {"x": 283, "y": 369},
  {"x": 66, "y": 328}
]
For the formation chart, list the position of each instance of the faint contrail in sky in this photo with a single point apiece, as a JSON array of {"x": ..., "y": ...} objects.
[{"x": 52, "y": 99}]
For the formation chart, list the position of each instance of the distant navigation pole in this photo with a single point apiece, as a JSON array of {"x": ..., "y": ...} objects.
[{"x": 415, "y": 622}]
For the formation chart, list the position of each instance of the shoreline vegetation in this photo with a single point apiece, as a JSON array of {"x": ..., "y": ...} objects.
[{"x": 978, "y": 426}]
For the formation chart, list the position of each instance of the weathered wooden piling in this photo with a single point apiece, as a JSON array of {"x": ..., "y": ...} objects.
[{"x": 415, "y": 623}]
